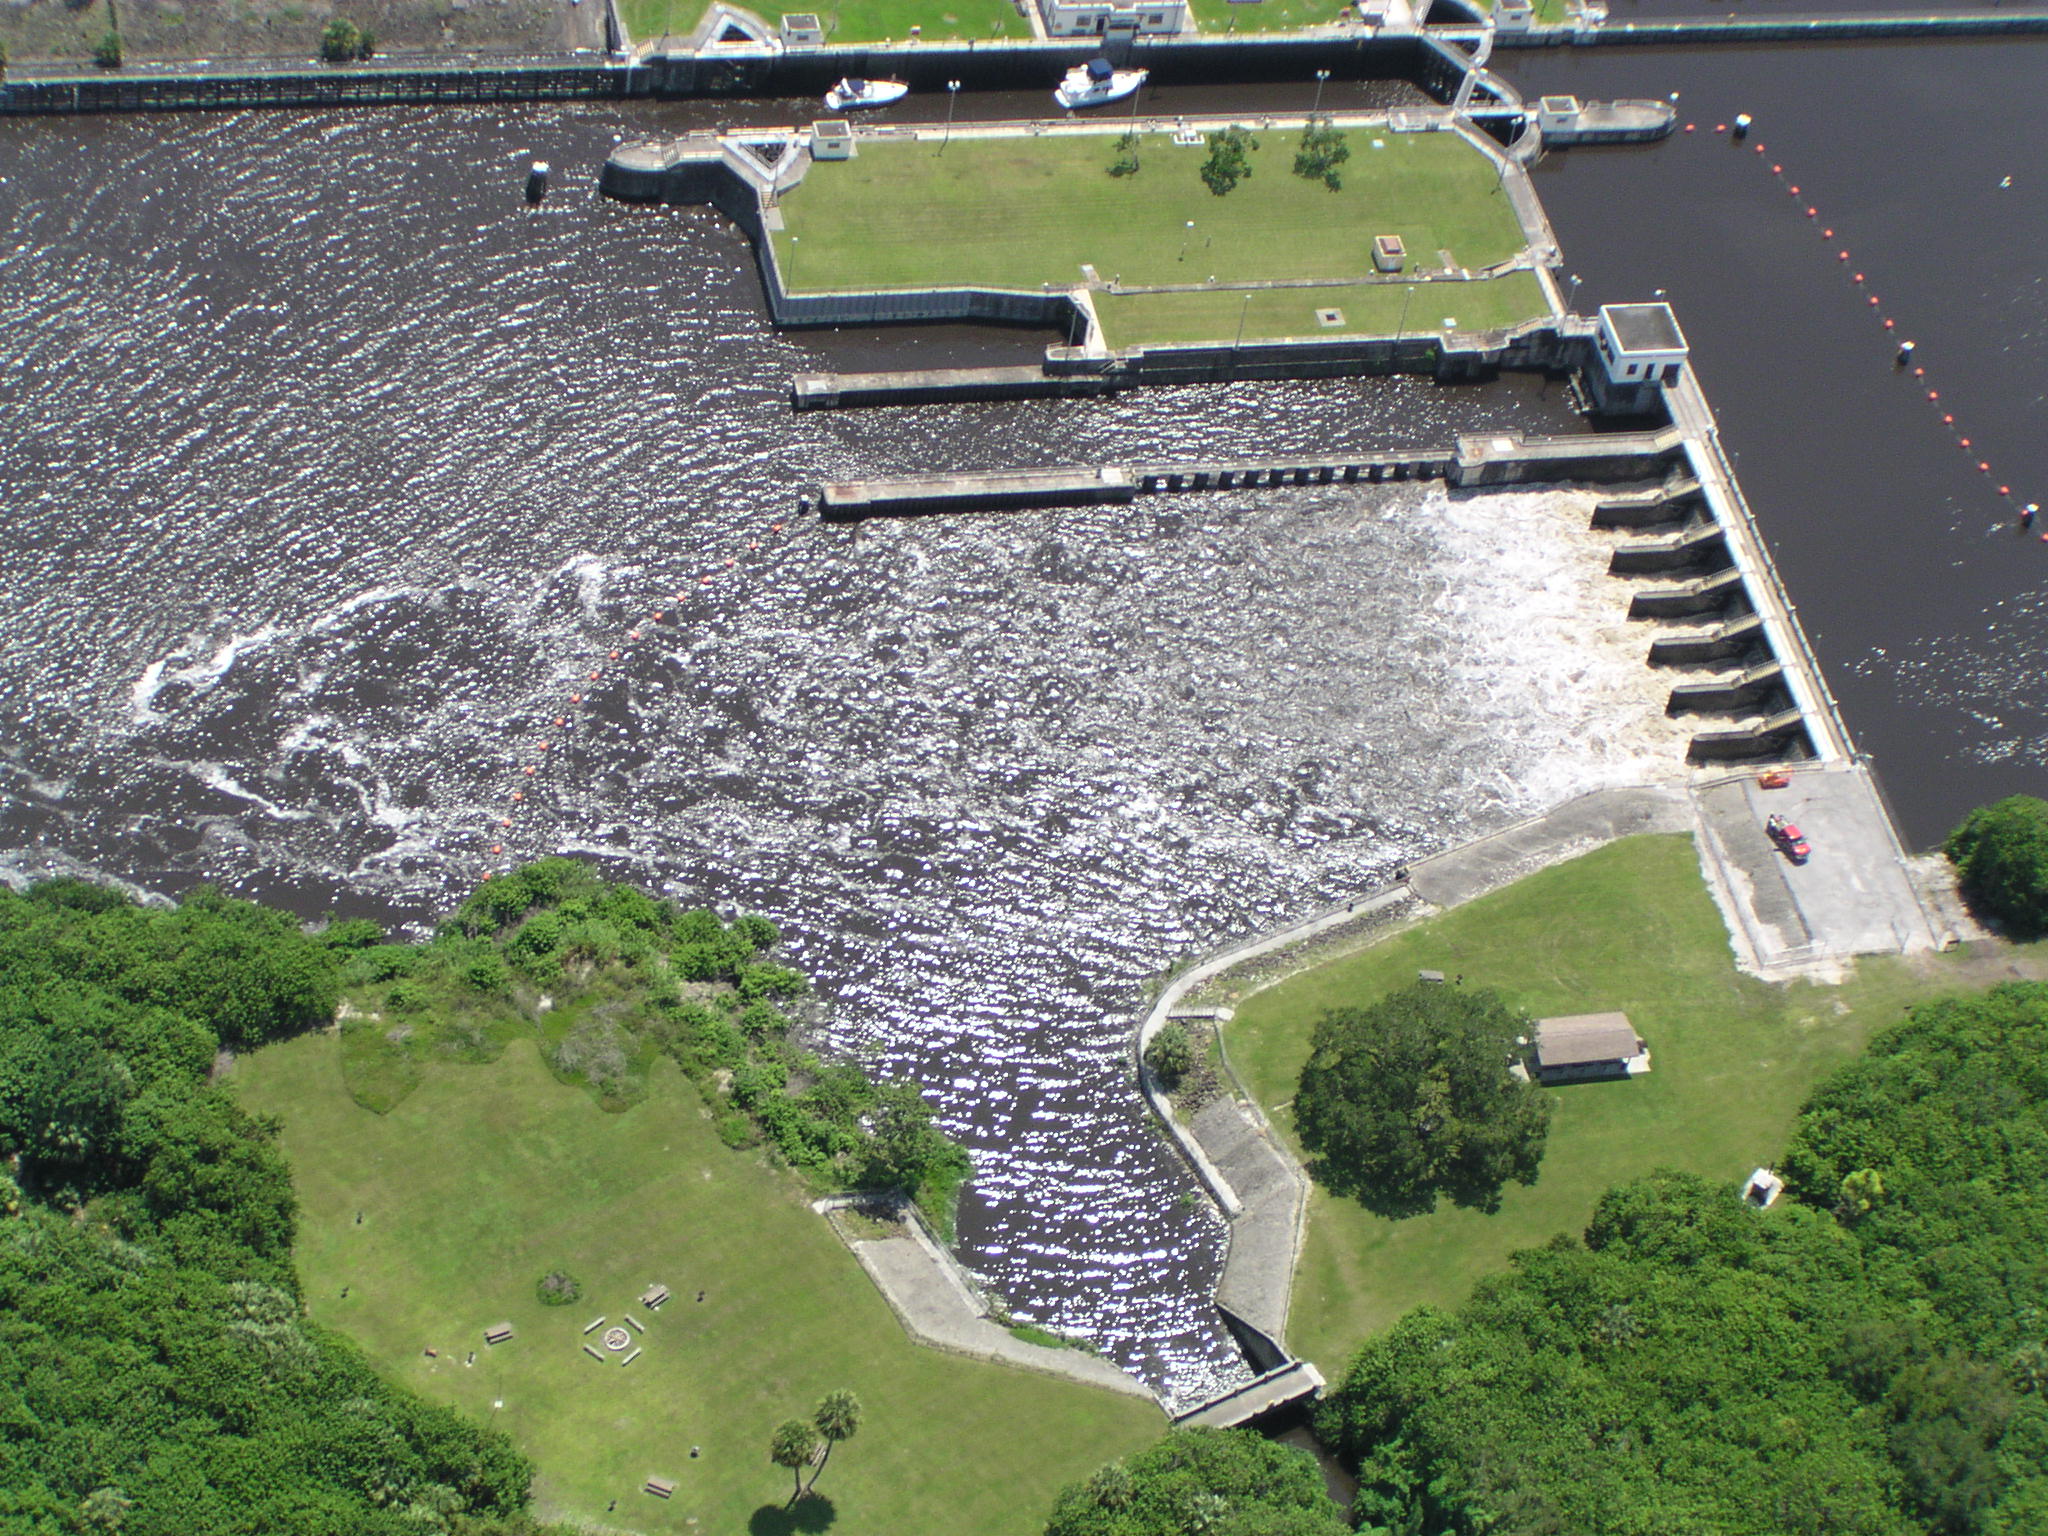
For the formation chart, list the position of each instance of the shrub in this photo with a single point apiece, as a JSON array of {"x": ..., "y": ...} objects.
[
  {"x": 340, "y": 41},
  {"x": 1229, "y": 160},
  {"x": 1170, "y": 1055},
  {"x": 557, "y": 1288},
  {"x": 2001, "y": 857},
  {"x": 108, "y": 54}
]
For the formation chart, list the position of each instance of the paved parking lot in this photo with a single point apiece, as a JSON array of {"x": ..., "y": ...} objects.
[{"x": 1852, "y": 897}]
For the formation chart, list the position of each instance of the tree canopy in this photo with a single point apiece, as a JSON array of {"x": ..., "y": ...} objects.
[
  {"x": 157, "y": 1374},
  {"x": 1413, "y": 1098},
  {"x": 1868, "y": 1357},
  {"x": 1222, "y": 1482},
  {"x": 2001, "y": 857}
]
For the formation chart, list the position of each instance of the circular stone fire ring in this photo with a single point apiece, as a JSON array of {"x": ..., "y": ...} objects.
[{"x": 616, "y": 1339}]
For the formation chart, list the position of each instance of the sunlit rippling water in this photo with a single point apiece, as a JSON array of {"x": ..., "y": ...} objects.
[{"x": 333, "y": 473}]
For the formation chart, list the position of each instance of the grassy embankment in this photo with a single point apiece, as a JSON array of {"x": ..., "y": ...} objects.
[
  {"x": 1629, "y": 927},
  {"x": 485, "y": 1177},
  {"x": 207, "y": 29},
  {"x": 1022, "y": 213},
  {"x": 848, "y": 21}
]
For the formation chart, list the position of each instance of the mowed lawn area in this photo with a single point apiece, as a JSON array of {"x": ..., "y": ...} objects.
[
  {"x": 438, "y": 1218},
  {"x": 1380, "y": 309},
  {"x": 846, "y": 21},
  {"x": 1023, "y": 212},
  {"x": 1629, "y": 927}
]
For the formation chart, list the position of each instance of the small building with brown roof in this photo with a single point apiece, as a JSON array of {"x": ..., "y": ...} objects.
[{"x": 1587, "y": 1045}]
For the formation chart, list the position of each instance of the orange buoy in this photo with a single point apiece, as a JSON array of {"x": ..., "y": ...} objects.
[
  {"x": 497, "y": 847},
  {"x": 505, "y": 821},
  {"x": 778, "y": 527},
  {"x": 1983, "y": 467},
  {"x": 2005, "y": 490},
  {"x": 681, "y": 598},
  {"x": 1720, "y": 127},
  {"x": 1963, "y": 442},
  {"x": 545, "y": 745},
  {"x": 1827, "y": 234},
  {"x": 753, "y": 543},
  {"x": 575, "y": 698},
  {"x": 657, "y": 618},
  {"x": 529, "y": 768},
  {"x": 561, "y": 720},
  {"x": 1859, "y": 277},
  {"x": 1794, "y": 191},
  {"x": 1813, "y": 213},
  {"x": 1919, "y": 373},
  {"x": 632, "y": 634},
  {"x": 1873, "y": 301},
  {"x": 615, "y": 655},
  {"x": 1889, "y": 324},
  {"x": 1934, "y": 394},
  {"x": 518, "y": 794},
  {"x": 703, "y": 581},
  {"x": 1841, "y": 255},
  {"x": 1688, "y": 127}
]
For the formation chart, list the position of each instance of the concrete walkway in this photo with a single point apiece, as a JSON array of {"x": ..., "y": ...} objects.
[{"x": 938, "y": 1308}]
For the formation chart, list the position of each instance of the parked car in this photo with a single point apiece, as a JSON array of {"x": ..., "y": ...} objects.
[{"x": 1790, "y": 840}]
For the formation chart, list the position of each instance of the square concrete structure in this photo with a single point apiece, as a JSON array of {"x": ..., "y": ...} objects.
[
  {"x": 831, "y": 139},
  {"x": 1641, "y": 342},
  {"x": 1388, "y": 253},
  {"x": 1514, "y": 15},
  {"x": 1555, "y": 114},
  {"x": 801, "y": 29},
  {"x": 1099, "y": 18},
  {"x": 1584, "y": 1045}
]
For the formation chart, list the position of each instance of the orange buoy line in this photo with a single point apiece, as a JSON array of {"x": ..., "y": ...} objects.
[{"x": 1907, "y": 350}]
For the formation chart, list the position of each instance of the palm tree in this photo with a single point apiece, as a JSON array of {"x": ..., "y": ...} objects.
[
  {"x": 793, "y": 1444},
  {"x": 838, "y": 1416}
]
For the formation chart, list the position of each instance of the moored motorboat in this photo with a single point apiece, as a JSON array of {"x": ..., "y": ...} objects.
[
  {"x": 851, "y": 93},
  {"x": 1097, "y": 81}
]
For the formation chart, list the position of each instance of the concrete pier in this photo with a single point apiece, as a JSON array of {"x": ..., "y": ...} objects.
[
  {"x": 941, "y": 386},
  {"x": 975, "y": 491}
]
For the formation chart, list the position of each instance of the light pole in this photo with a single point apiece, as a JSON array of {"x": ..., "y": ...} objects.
[
  {"x": 1321, "y": 76},
  {"x": 952, "y": 95},
  {"x": 1184, "y": 239},
  {"x": 1401, "y": 327},
  {"x": 1243, "y": 310},
  {"x": 1572, "y": 295}
]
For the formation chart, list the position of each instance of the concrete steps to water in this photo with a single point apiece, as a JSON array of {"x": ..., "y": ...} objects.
[
  {"x": 1667, "y": 503},
  {"x": 1703, "y": 594},
  {"x": 1728, "y": 692},
  {"x": 1713, "y": 642},
  {"x": 1702, "y": 544},
  {"x": 1778, "y": 736}
]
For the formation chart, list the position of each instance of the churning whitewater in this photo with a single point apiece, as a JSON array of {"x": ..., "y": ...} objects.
[{"x": 346, "y": 491}]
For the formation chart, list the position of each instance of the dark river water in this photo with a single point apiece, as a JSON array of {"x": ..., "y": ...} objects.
[
  {"x": 1925, "y": 604},
  {"x": 333, "y": 474}
]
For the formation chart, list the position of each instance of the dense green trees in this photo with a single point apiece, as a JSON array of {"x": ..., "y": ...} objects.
[
  {"x": 1170, "y": 1055},
  {"x": 1412, "y": 1098},
  {"x": 1869, "y": 1357},
  {"x": 608, "y": 979},
  {"x": 156, "y": 1372},
  {"x": 1323, "y": 151},
  {"x": 1215, "y": 1481},
  {"x": 2001, "y": 857}
]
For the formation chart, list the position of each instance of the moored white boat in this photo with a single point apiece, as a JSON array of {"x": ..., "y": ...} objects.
[
  {"x": 851, "y": 93},
  {"x": 1097, "y": 81}
]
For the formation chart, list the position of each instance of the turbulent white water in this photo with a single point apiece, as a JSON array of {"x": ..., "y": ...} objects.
[{"x": 335, "y": 475}]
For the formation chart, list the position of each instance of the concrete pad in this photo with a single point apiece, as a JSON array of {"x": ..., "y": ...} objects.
[
  {"x": 1854, "y": 896},
  {"x": 1258, "y": 1267},
  {"x": 1578, "y": 826},
  {"x": 936, "y": 1310}
]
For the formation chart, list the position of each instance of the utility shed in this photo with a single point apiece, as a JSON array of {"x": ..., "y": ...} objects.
[{"x": 1583, "y": 1045}]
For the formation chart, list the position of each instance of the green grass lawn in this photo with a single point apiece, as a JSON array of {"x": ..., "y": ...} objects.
[
  {"x": 486, "y": 1177},
  {"x": 1215, "y": 17},
  {"x": 848, "y": 21},
  {"x": 1628, "y": 927},
  {"x": 1022, "y": 213},
  {"x": 1138, "y": 319}
]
